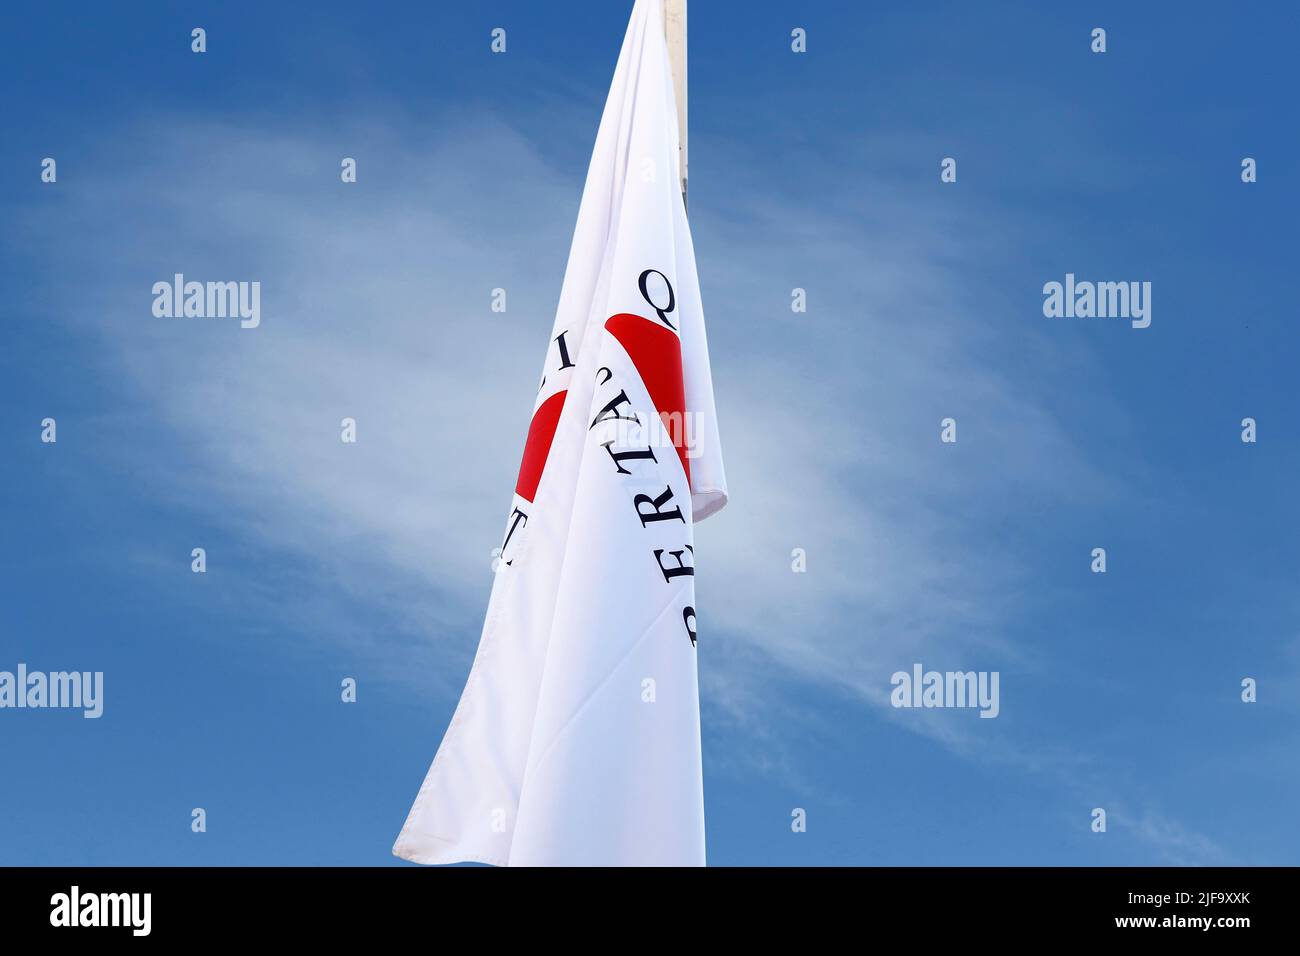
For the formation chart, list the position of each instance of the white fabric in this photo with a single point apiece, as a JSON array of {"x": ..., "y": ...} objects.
[{"x": 577, "y": 738}]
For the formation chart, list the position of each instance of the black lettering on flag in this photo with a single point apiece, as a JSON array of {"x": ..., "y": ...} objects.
[
  {"x": 565, "y": 361},
  {"x": 610, "y": 411},
  {"x": 564, "y": 351},
  {"x": 658, "y": 514},
  {"x": 672, "y": 297},
  {"x": 623, "y": 455},
  {"x": 516, "y": 517},
  {"x": 688, "y": 618},
  {"x": 682, "y": 568}
]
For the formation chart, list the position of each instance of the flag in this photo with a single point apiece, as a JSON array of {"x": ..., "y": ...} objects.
[{"x": 577, "y": 737}]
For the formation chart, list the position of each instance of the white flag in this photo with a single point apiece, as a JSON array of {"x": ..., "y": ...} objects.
[{"x": 577, "y": 737}]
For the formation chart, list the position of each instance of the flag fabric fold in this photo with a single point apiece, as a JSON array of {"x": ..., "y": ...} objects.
[{"x": 577, "y": 739}]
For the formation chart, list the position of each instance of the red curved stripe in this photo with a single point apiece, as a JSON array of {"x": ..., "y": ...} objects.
[
  {"x": 540, "y": 435},
  {"x": 657, "y": 354}
]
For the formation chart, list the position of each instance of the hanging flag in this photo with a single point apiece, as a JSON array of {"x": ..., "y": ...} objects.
[{"x": 577, "y": 737}]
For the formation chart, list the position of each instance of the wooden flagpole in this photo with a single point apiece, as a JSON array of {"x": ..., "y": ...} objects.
[{"x": 675, "y": 33}]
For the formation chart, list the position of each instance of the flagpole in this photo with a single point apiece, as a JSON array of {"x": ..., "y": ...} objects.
[{"x": 675, "y": 33}]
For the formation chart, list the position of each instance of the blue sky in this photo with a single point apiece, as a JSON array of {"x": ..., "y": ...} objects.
[{"x": 818, "y": 171}]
